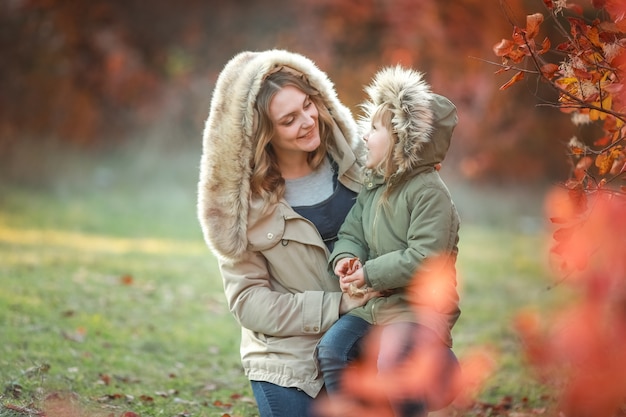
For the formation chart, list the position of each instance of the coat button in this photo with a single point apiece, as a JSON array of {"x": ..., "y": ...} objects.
[
  {"x": 270, "y": 236},
  {"x": 306, "y": 328},
  {"x": 369, "y": 184},
  {"x": 316, "y": 329}
]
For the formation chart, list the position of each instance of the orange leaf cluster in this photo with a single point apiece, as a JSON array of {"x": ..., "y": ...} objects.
[
  {"x": 580, "y": 349},
  {"x": 520, "y": 46},
  {"x": 589, "y": 75}
]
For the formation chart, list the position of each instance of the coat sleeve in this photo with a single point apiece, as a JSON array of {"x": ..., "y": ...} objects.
[
  {"x": 431, "y": 232},
  {"x": 351, "y": 237},
  {"x": 271, "y": 311}
]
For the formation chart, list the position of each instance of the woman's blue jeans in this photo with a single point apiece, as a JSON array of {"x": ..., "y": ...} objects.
[
  {"x": 276, "y": 401},
  {"x": 342, "y": 344}
]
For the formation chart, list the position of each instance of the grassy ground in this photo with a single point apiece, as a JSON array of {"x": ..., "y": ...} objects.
[{"x": 110, "y": 303}]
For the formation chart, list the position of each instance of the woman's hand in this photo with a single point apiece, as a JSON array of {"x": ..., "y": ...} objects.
[{"x": 349, "y": 302}]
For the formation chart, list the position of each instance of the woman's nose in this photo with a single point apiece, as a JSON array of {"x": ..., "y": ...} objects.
[{"x": 307, "y": 120}]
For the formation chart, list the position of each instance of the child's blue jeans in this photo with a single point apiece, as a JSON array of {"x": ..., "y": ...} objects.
[{"x": 342, "y": 344}]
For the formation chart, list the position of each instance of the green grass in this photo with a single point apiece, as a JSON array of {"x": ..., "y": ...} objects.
[{"x": 110, "y": 301}]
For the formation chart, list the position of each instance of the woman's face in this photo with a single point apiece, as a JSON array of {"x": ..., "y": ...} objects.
[
  {"x": 295, "y": 119},
  {"x": 377, "y": 142}
]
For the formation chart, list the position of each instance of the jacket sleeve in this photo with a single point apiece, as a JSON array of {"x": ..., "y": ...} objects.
[
  {"x": 351, "y": 238},
  {"x": 274, "y": 311},
  {"x": 432, "y": 231}
]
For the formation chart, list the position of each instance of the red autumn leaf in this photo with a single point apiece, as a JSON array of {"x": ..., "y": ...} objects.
[
  {"x": 545, "y": 46},
  {"x": 533, "y": 22},
  {"x": 617, "y": 11},
  {"x": 559, "y": 220},
  {"x": 548, "y": 70},
  {"x": 602, "y": 142},
  {"x": 604, "y": 162},
  {"x": 518, "y": 36},
  {"x": 129, "y": 414},
  {"x": 619, "y": 167},
  {"x": 576, "y": 196},
  {"x": 517, "y": 77},
  {"x": 598, "y": 4},
  {"x": 564, "y": 233},
  {"x": 518, "y": 54},
  {"x": 126, "y": 279},
  {"x": 503, "y": 48},
  {"x": 580, "y": 171},
  {"x": 106, "y": 379},
  {"x": 575, "y": 8}
]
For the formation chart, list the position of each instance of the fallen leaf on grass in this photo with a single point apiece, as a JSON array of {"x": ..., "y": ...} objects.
[
  {"x": 126, "y": 279},
  {"x": 78, "y": 335},
  {"x": 23, "y": 410},
  {"x": 13, "y": 390},
  {"x": 166, "y": 394},
  {"x": 104, "y": 379},
  {"x": 37, "y": 370},
  {"x": 146, "y": 398}
]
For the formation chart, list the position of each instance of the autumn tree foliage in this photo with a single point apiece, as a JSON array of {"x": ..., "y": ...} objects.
[
  {"x": 94, "y": 71},
  {"x": 495, "y": 143},
  {"x": 99, "y": 71},
  {"x": 588, "y": 71},
  {"x": 579, "y": 349}
]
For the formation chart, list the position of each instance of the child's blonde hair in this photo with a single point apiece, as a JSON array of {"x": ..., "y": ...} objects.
[{"x": 388, "y": 167}]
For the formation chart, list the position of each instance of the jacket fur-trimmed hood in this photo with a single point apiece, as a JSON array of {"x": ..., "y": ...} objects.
[
  {"x": 224, "y": 185},
  {"x": 422, "y": 120}
]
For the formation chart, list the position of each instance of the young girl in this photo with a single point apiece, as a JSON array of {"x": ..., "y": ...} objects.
[{"x": 403, "y": 219}]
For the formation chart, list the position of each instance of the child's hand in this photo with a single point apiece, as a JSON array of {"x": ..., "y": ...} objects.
[
  {"x": 354, "y": 284},
  {"x": 347, "y": 266}
]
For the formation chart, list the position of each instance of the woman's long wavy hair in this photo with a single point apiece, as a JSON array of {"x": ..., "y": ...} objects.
[{"x": 266, "y": 180}]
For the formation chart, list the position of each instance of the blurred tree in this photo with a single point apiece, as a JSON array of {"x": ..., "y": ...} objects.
[
  {"x": 91, "y": 71},
  {"x": 495, "y": 141}
]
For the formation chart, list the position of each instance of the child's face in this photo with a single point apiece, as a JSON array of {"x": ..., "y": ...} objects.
[{"x": 377, "y": 141}]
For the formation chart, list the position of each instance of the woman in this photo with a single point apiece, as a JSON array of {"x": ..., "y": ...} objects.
[{"x": 279, "y": 171}]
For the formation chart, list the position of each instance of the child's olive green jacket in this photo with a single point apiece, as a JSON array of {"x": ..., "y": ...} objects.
[{"x": 399, "y": 242}]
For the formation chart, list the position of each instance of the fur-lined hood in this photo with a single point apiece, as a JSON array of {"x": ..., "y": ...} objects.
[
  {"x": 422, "y": 120},
  {"x": 224, "y": 186}
]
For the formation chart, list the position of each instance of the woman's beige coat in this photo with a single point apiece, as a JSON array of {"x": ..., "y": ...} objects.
[{"x": 273, "y": 263}]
